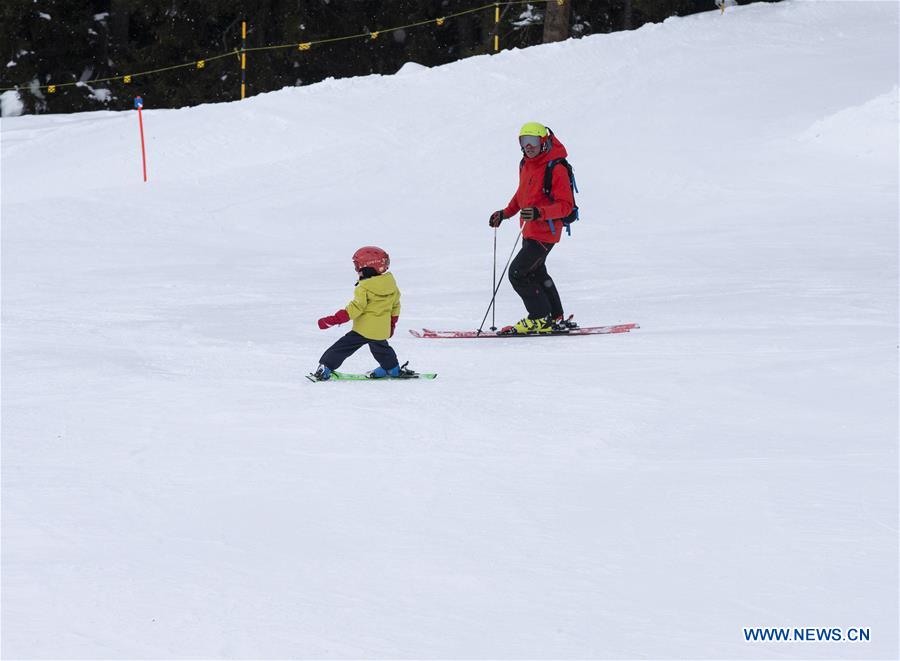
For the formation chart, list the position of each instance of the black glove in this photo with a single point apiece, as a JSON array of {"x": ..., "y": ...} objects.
[
  {"x": 530, "y": 213},
  {"x": 496, "y": 218}
]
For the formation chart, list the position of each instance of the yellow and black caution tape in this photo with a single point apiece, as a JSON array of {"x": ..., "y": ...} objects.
[{"x": 303, "y": 46}]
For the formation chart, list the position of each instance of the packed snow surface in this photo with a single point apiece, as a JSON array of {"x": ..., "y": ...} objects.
[{"x": 172, "y": 487}]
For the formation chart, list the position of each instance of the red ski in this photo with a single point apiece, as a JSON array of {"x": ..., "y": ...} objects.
[{"x": 585, "y": 330}]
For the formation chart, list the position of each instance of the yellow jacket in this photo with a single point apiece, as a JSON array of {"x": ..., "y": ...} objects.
[{"x": 375, "y": 301}]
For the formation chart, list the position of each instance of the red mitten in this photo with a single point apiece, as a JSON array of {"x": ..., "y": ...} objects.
[
  {"x": 394, "y": 324},
  {"x": 336, "y": 319}
]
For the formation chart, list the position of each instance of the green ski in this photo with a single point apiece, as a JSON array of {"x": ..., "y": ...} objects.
[
  {"x": 405, "y": 373},
  {"x": 343, "y": 376}
]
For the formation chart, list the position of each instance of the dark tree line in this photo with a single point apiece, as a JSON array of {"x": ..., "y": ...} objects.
[{"x": 60, "y": 42}]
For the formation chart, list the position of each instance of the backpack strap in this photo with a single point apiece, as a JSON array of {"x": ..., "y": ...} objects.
[
  {"x": 548, "y": 175},
  {"x": 548, "y": 188}
]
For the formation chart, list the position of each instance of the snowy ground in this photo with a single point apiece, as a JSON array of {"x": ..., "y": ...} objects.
[{"x": 172, "y": 486}]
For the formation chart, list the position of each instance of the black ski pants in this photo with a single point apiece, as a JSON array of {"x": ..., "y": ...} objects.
[
  {"x": 528, "y": 276},
  {"x": 346, "y": 346}
]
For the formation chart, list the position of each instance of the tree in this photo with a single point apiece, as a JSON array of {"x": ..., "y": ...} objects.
[{"x": 556, "y": 21}]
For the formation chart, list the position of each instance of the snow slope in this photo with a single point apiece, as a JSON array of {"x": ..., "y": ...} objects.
[{"x": 173, "y": 488}]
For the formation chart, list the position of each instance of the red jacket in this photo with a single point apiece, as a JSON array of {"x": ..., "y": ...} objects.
[{"x": 531, "y": 194}]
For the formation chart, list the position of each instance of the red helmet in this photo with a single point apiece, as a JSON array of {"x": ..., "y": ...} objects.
[{"x": 372, "y": 257}]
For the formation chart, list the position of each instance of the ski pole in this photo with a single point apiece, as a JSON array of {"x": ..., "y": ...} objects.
[
  {"x": 497, "y": 286},
  {"x": 494, "y": 286}
]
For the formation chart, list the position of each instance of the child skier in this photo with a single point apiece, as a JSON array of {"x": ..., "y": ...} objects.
[{"x": 375, "y": 309}]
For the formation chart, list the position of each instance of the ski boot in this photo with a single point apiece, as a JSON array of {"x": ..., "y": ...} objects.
[
  {"x": 381, "y": 373},
  {"x": 528, "y": 326},
  {"x": 322, "y": 373}
]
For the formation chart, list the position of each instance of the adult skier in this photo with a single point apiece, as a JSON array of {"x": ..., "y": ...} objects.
[{"x": 540, "y": 217}]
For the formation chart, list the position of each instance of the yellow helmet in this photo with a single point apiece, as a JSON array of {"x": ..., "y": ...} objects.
[{"x": 533, "y": 128}]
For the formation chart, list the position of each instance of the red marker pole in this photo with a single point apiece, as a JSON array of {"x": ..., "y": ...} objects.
[{"x": 139, "y": 103}]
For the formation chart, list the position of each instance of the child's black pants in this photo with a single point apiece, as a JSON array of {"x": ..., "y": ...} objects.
[{"x": 345, "y": 347}]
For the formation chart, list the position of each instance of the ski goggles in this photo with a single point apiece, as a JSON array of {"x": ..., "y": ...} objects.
[{"x": 529, "y": 141}]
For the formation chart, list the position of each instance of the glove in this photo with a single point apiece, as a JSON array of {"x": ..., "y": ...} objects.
[
  {"x": 394, "y": 324},
  {"x": 496, "y": 218},
  {"x": 530, "y": 213},
  {"x": 338, "y": 318}
]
